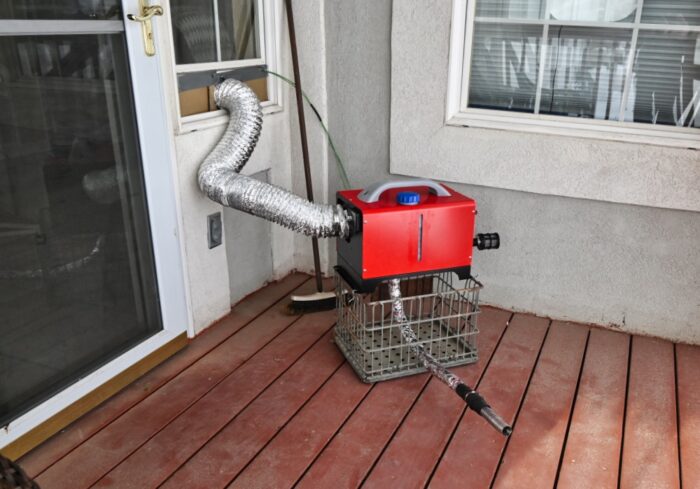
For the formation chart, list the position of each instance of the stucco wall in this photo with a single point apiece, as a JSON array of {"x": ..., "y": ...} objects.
[
  {"x": 634, "y": 267},
  {"x": 208, "y": 269},
  {"x": 248, "y": 256},
  {"x": 358, "y": 37}
]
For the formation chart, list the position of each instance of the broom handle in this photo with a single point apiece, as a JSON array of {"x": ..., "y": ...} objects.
[{"x": 302, "y": 130}]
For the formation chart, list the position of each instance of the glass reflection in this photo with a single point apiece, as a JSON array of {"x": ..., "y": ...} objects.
[
  {"x": 585, "y": 72},
  {"x": 61, "y": 9},
  {"x": 77, "y": 279},
  {"x": 218, "y": 30},
  {"x": 504, "y": 67}
]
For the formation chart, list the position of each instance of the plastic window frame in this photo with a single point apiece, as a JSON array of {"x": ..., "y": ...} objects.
[
  {"x": 269, "y": 29},
  {"x": 458, "y": 113}
]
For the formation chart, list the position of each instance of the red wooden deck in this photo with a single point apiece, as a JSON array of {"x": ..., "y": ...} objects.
[{"x": 266, "y": 400}]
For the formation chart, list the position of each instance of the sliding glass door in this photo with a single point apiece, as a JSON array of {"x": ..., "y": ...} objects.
[{"x": 87, "y": 218}]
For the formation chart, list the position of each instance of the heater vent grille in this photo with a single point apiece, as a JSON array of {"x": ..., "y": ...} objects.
[{"x": 442, "y": 315}]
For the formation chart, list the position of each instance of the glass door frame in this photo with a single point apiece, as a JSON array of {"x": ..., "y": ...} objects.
[{"x": 156, "y": 140}]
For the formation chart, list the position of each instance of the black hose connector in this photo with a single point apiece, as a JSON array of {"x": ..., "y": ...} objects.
[
  {"x": 479, "y": 405},
  {"x": 487, "y": 241}
]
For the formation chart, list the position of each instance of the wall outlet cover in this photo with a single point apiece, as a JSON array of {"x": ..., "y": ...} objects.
[{"x": 215, "y": 230}]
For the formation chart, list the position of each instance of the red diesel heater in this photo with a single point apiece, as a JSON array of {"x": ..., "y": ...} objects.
[{"x": 407, "y": 228}]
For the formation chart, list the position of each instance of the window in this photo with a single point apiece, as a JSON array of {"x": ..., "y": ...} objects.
[
  {"x": 216, "y": 36},
  {"x": 615, "y": 69}
]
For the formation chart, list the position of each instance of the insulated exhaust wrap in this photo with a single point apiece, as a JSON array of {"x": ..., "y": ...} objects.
[
  {"x": 410, "y": 338},
  {"x": 469, "y": 395},
  {"x": 220, "y": 179}
]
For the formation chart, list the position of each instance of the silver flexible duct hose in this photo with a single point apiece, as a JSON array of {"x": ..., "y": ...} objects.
[
  {"x": 220, "y": 179},
  {"x": 410, "y": 338},
  {"x": 470, "y": 396},
  {"x": 102, "y": 186}
]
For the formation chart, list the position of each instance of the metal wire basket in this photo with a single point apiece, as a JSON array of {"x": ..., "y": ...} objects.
[{"x": 442, "y": 316}]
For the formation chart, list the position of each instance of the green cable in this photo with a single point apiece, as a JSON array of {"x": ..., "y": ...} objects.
[{"x": 341, "y": 167}]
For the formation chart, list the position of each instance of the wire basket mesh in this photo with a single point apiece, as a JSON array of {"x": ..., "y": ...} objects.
[{"x": 442, "y": 316}]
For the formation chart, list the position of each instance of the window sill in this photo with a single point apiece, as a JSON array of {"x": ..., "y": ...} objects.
[
  {"x": 669, "y": 136},
  {"x": 207, "y": 120}
]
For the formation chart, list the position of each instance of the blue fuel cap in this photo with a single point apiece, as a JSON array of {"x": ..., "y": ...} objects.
[{"x": 408, "y": 198}]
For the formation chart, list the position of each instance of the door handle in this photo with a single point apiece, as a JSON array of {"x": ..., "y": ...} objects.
[{"x": 147, "y": 12}]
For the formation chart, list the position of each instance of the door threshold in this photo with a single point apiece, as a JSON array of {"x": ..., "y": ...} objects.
[{"x": 98, "y": 386}]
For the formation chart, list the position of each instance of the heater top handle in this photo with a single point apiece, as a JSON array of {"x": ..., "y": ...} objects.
[{"x": 374, "y": 191}]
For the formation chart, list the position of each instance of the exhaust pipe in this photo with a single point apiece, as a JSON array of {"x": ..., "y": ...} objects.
[{"x": 220, "y": 179}]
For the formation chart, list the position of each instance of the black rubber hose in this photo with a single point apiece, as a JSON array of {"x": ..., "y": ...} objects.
[{"x": 479, "y": 405}]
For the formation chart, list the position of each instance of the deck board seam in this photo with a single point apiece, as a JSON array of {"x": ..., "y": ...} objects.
[
  {"x": 189, "y": 406},
  {"x": 284, "y": 425},
  {"x": 243, "y": 408},
  {"x": 176, "y": 375},
  {"x": 624, "y": 414},
  {"x": 396, "y": 430},
  {"x": 520, "y": 404},
  {"x": 465, "y": 409},
  {"x": 573, "y": 407},
  {"x": 678, "y": 417},
  {"x": 335, "y": 434}
]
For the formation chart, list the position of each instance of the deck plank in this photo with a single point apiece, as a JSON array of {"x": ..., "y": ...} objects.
[
  {"x": 532, "y": 457},
  {"x": 428, "y": 426},
  {"x": 474, "y": 452},
  {"x": 650, "y": 446},
  {"x": 592, "y": 454},
  {"x": 265, "y": 400},
  {"x": 92, "y": 459},
  {"x": 688, "y": 365},
  {"x": 305, "y": 347},
  {"x": 351, "y": 453},
  {"x": 38, "y": 460},
  {"x": 383, "y": 410},
  {"x": 289, "y": 453}
]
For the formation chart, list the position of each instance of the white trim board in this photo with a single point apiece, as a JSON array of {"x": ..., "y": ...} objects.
[{"x": 54, "y": 27}]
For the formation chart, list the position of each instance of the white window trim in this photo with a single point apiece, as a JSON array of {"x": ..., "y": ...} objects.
[
  {"x": 458, "y": 114},
  {"x": 270, "y": 25}
]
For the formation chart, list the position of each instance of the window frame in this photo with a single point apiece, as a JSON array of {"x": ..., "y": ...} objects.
[
  {"x": 457, "y": 112},
  {"x": 269, "y": 27}
]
